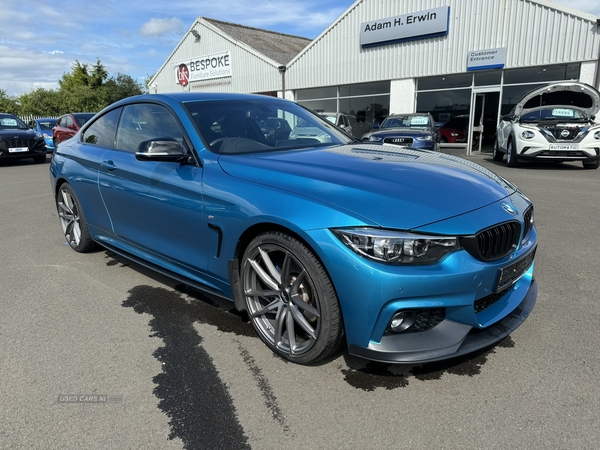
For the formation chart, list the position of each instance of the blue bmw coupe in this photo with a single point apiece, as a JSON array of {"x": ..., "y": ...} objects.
[{"x": 397, "y": 254}]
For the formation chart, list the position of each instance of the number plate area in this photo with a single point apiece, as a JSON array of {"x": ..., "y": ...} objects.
[
  {"x": 509, "y": 275},
  {"x": 18, "y": 149},
  {"x": 564, "y": 147}
]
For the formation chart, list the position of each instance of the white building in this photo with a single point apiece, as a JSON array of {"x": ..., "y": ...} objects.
[{"x": 447, "y": 57}]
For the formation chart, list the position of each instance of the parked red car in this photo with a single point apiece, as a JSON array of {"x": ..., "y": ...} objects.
[
  {"x": 67, "y": 125},
  {"x": 456, "y": 130}
]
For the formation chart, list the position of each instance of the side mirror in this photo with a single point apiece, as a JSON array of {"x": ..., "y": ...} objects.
[
  {"x": 508, "y": 117},
  {"x": 376, "y": 125},
  {"x": 161, "y": 149}
]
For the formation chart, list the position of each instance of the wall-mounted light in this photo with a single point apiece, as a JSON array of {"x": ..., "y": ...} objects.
[{"x": 196, "y": 36}]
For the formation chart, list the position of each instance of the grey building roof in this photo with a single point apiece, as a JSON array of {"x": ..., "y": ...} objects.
[{"x": 277, "y": 46}]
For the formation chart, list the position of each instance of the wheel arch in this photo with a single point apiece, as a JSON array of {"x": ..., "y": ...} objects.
[{"x": 242, "y": 244}]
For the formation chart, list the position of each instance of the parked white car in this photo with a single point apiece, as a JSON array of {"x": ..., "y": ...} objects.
[
  {"x": 339, "y": 119},
  {"x": 552, "y": 123}
]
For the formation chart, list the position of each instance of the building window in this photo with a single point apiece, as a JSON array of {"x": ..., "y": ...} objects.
[
  {"x": 316, "y": 93},
  {"x": 538, "y": 74},
  {"x": 363, "y": 103},
  {"x": 444, "y": 104},
  {"x": 457, "y": 80}
]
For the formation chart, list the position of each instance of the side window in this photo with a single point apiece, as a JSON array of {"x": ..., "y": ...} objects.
[
  {"x": 68, "y": 121},
  {"x": 143, "y": 122},
  {"x": 102, "y": 131}
]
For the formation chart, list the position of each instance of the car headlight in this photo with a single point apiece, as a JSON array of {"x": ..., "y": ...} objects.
[
  {"x": 424, "y": 138},
  {"x": 397, "y": 247},
  {"x": 38, "y": 135},
  {"x": 597, "y": 135},
  {"x": 453, "y": 134},
  {"x": 375, "y": 138},
  {"x": 527, "y": 134}
]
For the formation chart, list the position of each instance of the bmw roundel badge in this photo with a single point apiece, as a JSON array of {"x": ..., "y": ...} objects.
[{"x": 509, "y": 208}]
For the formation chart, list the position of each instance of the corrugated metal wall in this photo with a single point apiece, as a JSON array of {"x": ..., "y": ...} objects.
[
  {"x": 535, "y": 33},
  {"x": 250, "y": 73}
]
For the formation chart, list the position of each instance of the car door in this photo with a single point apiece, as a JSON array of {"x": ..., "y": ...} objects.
[{"x": 155, "y": 207}]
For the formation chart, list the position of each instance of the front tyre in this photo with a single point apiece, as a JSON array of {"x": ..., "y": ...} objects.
[
  {"x": 290, "y": 299},
  {"x": 72, "y": 220},
  {"x": 497, "y": 155},
  {"x": 511, "y": 155}
]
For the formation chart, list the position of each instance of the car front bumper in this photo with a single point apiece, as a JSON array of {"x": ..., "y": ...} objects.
[
  {"x": 447, "y": 340},
  {"x": 539, "y": 148}
]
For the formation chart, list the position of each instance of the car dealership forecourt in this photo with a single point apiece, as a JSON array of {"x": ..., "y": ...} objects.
[{"x": 453, "y": 58}]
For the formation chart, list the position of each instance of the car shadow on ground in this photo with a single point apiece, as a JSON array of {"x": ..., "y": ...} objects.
[{"x": 201, "y": 307}]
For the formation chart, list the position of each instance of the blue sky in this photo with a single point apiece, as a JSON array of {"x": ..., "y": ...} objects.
[{"x": 41, "y": 40}]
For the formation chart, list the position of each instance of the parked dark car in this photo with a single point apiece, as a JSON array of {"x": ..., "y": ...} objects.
[
  {"x": 44, "y": 126},
  {"x": 415, "y": 130},
  {"x": 403, "y": 255},
  {"x": 18, "y": 141},
  {"x": 67, "y": 125}
]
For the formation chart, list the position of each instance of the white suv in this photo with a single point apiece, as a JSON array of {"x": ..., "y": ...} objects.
[{"x": 552, "y": 123}]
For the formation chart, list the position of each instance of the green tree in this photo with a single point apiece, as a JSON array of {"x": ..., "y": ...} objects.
[
  {"x": 8, "y": 104},
  {"x": 120, "y": 86},
  {"x": 41, "y": 102}
]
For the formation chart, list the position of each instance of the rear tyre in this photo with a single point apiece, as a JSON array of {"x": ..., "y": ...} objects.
[
  {"x": 290, "y": 299},
  {"x": 591, "y": 165},
  {"x": 511, "y": 158},
  {"x": 72, "y": 220}
]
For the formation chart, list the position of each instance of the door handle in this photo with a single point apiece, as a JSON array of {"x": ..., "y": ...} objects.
[{"x": 108, "y": 165}]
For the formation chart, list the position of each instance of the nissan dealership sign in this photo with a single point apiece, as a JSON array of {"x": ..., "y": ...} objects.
[
  {"x": 417, "y": 25},
  {"x": 217, "y": 65}
]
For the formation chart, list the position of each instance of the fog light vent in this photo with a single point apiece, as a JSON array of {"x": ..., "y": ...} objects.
[{"x": 415, "y": 320}]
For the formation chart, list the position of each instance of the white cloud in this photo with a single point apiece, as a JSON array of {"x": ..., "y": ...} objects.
[{"x": 159, "y": 27}]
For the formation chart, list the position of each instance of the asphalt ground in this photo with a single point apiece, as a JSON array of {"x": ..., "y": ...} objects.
[{"x": 97, "y": 352}]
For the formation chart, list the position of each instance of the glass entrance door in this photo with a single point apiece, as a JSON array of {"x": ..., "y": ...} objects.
[{"x": 484, "y": 111}]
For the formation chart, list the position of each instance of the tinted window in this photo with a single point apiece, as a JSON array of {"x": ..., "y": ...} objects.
[
  {"x": 324, "y": 92},
  {"x": 542, "y": 73},
  {"x": 82, "y": 119},
  {"x": 46, "y": 125},
  {"x": 233, "y": 127},
  {"x": 143, "y": 122},
  {"x": 11, "y": 122},
  {"x": 457, "y": 123},
  {"x": 445, "y": 81},
  {"x": 102, "y": 131},
  {"x": 379, "y": 87},
  {"x": 444, "y": 103}
]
